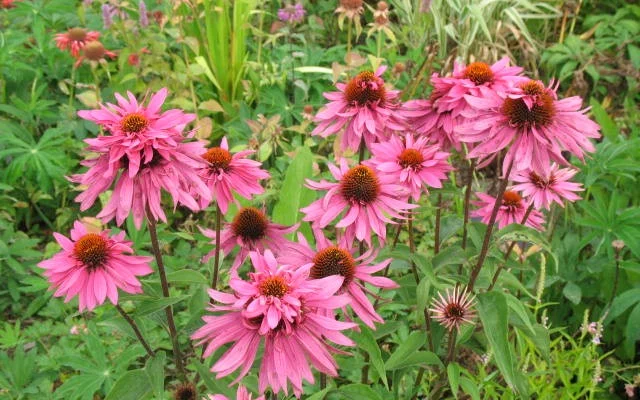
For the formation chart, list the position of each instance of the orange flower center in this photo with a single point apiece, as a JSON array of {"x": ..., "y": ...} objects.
[
  {"x": 77, "y": 34},
  {"x": 521, "y": 116},
  {"x": 360, "y": 184},
  {"x": 454, "y": 311},
  {"x": 511, "y": 199},
  {"x": 91, "y": 249},
  {"x": 250, "y": 224},
  {"x": 273, "y": 286},
  {"x": 134, "y": 123},
  {"x": 334, "y": 261},
  {"x": 218, "y": 158},
  {"x": 410, "y": 158},
  {"x": 364, "y": 89},
  {"x": 479, "y": 73},
  {"x": 94, "y": 51}
]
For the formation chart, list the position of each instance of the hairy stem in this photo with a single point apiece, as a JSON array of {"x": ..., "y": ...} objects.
[
  {"x": 134, "y": 326},
  {"x": 165, "y": 292},
  {"x": 487, "y": 235},
  {"x": 467, "y": 200},
  {"x": 509, "y": 250},
  {"x": 451, "y": 351},
  {"x": 436, "y": 236}
]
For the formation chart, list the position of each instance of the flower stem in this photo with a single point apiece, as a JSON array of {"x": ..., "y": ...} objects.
[
  {"x": 615, "y": 285},
  {"x": 216, "y": 262},
  {"x": 361, "y": 149},
  {"x": 467, "y": 200},
  {"x": 73, "y": 86},
  {"x": 134, "y": 326},
  {"x": 509, "y": 250},
  {"x": 348, "y": 60},
  {"x": 489, "y": 231},
  {"x": 165, "y": 292},
  {"x": 436, "y": 236},
  {"x": 451, "y": 351}
]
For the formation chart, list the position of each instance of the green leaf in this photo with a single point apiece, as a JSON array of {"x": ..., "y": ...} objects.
[
  {"x": 453, "y": 374},
  {"x": 572, "y": 292},
  {"x": 516, "y": 306},
  {"x": 293, "y": 194},
  {"x": 622, "y": 302},
  {"x": 609, "y": 128},
  {"x": 133, "y": 385},
  {"x": 154, "y": 369},
  {"x": 470, "y": 388},
  {"x": 494, "y": 313},
  {"x": 147, "y": 307},
  {"x": 367, "y": 342},
  {"x": 421, "y": 358},
  {"x": 632, "y": 331},
  {"x": 359, "y": 391},
  {"x": 186, "y": 276},
  {"x": 399, "y": 357}
]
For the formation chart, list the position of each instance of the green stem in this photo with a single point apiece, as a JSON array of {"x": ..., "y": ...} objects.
[
  {"x": 72, "y": 89},
  {"x": 134, "y": 326},
  {"x": 216, "y": 262},
  {"x": 436, "y": 236}
]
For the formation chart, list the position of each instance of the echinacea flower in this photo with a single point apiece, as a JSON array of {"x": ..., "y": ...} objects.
[
  {"x": 185, "y": 391},
  {"x": 252, "y": 231},
  {"x": 413, "y": 163},
  {"x": 292, "y": 13},
  {"x": 94, "y": 266},
  {"x": 290, "y": 347},
  {"x": 363, "y": 107},
  {"x": 453, "y": 309},
  {"x": 329, "y": 259},
  {"x": 368, "y": 200},
  {"x": 512, "y": 210},
  {"x": 144, "y": 152},
  {"x": 543, "y": 190},
  {"x": 226, "y": 173},
  {"x": 534, "y": 125},
  {"x": 95, "y": 52},
  {"x": 351, "y": 10},
  {"x": 437, "y": 117},
  {"x": 75, "y": 39},
  {"x": 241, "y": 394}
]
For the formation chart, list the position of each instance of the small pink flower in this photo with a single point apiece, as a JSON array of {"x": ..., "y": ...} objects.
[
  {"x": 369, "y": 201},
  {"x": 292, "y": 14},
  {"x": 75, "y": 39},
  {"x": 453, "y": 309},
  {"x": 511, "y": 211},
  {"x": 329, "y": 259},
  {"x": 226, "y": 173},
  {"x": 95, "y": 52},
  {"x": 296, "y": 341},
  {"x": 252, "y": 231},
  {"x": 364, "y": 107},
  {"x": 241, "y": 394},
  {"x": 93, "y": 266},
  {"x": 544, "y": 190},
  {"x": 437, "y": 117},
  {"x": 144, "y": 152},
  {"x": 532, "y": 123},
  {"x": 413, "y": 163}
]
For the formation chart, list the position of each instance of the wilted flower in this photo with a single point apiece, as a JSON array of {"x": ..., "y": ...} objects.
[
  {"x": 368, "y": 200},
  {"x": 185, "y": 391},
  {"x": 94, "y": 52},
  {"x": 351, "y": 10},
  {"x": 532, "y": 123},
  {"x": 453, "y": 309},
  {"x": 94, "y": 266},
  {"x": 75, "y": 39},
  {"x": 511, "y": 211},
  {"x": 543, "y": 190}
]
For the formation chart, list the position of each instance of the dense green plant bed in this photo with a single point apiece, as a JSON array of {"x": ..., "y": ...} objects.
[{"x": 412, "y": 199}]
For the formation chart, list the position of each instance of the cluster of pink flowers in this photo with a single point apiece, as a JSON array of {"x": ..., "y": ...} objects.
[{"x": 83, "y": 45}]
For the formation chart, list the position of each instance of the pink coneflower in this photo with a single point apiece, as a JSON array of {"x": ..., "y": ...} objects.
[
  {"x": 291, "y": 345},
  {"x": 369, "y": 201},
  {"x": 453, "y": 309},
  {"x": 437, "y": 117},
  {"x": 95, "y": 52},
  {"x": 544, "y": 190},
  {"x": 535, "y": 124},
  {"x": 413, "y": 163},
  {"x": 143, "y": 153},
  {"x": 75, "y": 39},
  {"x": 93, "y": 266},
  {"x": 241, "y": 394},
  {"x": 292, "y": 14},
  {"x": 363, "y": 107},
  {"x": 252, "y": 231},
  {"x": 511, "y": 211},
  {"x": 226, "y": 173},
  {"x": 329, "y": 259}
]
